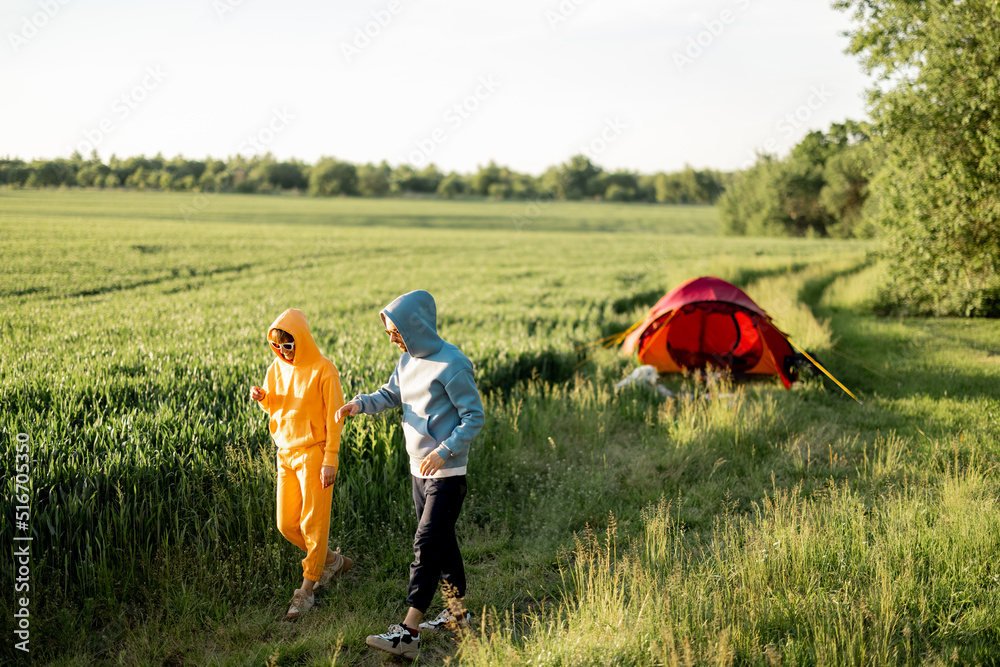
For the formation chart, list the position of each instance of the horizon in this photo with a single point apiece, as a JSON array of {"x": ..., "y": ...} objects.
[{"x": 634, "y": 86}]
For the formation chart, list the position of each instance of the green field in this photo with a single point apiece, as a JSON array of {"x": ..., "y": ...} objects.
[{"x": 732, "y": 524}]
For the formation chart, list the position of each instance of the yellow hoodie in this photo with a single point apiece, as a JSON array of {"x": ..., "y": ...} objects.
[{"x": 302, "y": 396}]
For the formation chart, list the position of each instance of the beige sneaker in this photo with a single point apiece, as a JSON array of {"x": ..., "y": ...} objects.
[
  {"x": 447, "y": 620},
  {"x": 300, "y": 604},
  {"x": 339, "y": 566}
]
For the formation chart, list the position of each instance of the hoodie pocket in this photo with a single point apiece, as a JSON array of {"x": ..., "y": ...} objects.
[
  {"x": 441, "y": 426},
  {"x": 292, "y": 429},
  {"x": 415, "y": 429},
  {"x": 436, "y": 428}
]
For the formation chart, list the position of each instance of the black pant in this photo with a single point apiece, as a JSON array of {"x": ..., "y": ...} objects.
[{"x": 435, "y": 547}]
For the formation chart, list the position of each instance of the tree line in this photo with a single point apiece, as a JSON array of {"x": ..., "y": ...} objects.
[
  {"x": 576, "y": 179},
  {"x": 821, "y": 188},
  {"x": 923, "y": 177}
]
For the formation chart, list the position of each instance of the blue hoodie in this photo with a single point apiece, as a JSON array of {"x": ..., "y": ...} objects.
[{"x": 434, "y": 383}]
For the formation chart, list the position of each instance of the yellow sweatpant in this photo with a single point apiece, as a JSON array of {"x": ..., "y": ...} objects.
[{"x": 304, "y": 506}]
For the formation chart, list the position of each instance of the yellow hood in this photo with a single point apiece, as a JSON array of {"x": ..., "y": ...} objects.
[{"x": 294, "y": 322}]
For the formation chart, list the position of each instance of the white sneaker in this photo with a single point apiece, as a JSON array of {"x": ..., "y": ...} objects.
[
  {"x": 445, "y": 619},
  {"x": 300, "y": 604},
  {"x": 397, "y": 641}
]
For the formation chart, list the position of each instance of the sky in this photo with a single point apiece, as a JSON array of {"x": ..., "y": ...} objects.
[{"x": 640, "y": 85}]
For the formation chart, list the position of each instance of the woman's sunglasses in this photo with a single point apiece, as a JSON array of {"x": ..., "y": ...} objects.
[{"x": 288, "y": 347}]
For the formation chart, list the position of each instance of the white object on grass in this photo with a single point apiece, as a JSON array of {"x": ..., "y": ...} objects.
[{"x": 647, "y": 375}]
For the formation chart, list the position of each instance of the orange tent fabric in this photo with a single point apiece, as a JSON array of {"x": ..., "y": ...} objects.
[{"x": 710, "y": 322}]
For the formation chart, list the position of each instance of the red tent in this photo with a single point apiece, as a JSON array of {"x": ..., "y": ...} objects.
[{"x": 709, "y": 322}]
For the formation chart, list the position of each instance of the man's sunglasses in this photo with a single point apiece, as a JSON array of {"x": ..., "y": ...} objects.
[{"x": 288, "y": 347}]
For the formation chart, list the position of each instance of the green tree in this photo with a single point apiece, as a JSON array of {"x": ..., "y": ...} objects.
[
  {"x": 818, "y": 147},
  {"x": 820, "y": 188},
  {"x": 799, "y": 185},
  {"x": 179, "y": 168},
  {"x": 847, "y": 175},
  {"x": 13, "y": 172},
  {"x": 333, "y": 177},
  {"x": 53, "y": 173},
  {"x": 551, "y": 183},
  {"x": 407, "y": 179},
  {"x": 208, "y": 182},
  {"x": 499, "y": 190},
  {"x": 485, "y": 178},
  {"x": 690, "y": 186},
  {"x": 164, "y": 180},
  {"x": 619, "y": 193},
  {"x": 699, "y": 187},
  {"x": 91, "y": 172},
  {"x": 137, "y": 179},
  {"x": 428, "y": 179},
  {"x": 775, "y": 198},
  {"x": 617, "y": 186},
  {"x": 290, "y": 175},
  {"x": 936, "y": 113},
  {"x": 668, "y": 188},
  {"x": 646, "y": 190},
  {"x": 452, "y": 186},
  {"x": 401, "y": 179},
  {"x": 373, "y": 181},
  {"x": 581, "y": 178},
  {"x": 522, "y": 186},
  {"x": 752, "y": 205}
]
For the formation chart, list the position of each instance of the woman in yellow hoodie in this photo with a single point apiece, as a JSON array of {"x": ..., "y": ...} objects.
[{"x": 301, "y": 394}]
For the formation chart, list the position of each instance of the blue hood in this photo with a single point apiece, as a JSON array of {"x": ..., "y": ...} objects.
[
  {"x": 415, "y": 316},
  {"x": 435, "y": 385}
]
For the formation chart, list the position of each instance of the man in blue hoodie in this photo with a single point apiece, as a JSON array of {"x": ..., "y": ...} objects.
[{"x": 434, "y": 383}]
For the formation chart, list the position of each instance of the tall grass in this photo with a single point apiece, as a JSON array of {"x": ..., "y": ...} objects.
[
  {"x": 153, "y": 475},
  {"x": 840, "y": 577},
  {"x": 136, "y": 334},
  {"x": 828, "y": 580}
]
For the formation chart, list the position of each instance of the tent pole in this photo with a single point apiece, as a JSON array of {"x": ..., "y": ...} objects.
[{"x": 617, "y": 338}]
